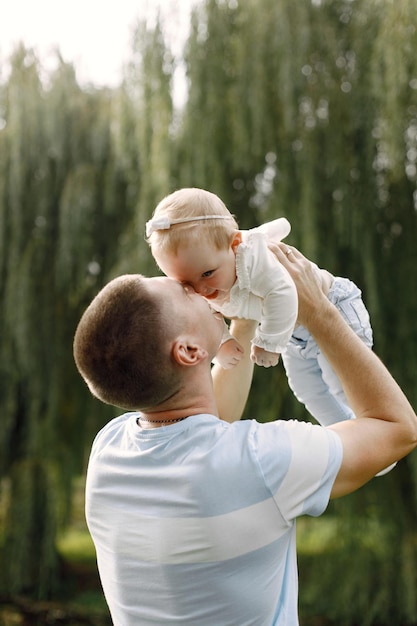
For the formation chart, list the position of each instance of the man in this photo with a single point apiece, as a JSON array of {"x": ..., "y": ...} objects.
[{"x": 193, "y": 517}]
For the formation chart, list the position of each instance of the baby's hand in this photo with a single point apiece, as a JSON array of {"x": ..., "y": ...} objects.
[
  {"x": 229, "y": 354},
  {"x": 263, "y": 357}
]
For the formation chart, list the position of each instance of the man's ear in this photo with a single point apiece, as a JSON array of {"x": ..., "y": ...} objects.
[
  {"x": 187, "y": 353},
  {"x": 237, "y": 240}
]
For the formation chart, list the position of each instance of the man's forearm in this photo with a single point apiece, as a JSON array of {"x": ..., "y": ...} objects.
[
  {"x": 386, "y": 426},
  {"x": 231, "y": 387},
  {"x": 370, "y": 388}
]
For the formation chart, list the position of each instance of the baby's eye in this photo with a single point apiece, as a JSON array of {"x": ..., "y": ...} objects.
[{"x": 207, "y": 274}]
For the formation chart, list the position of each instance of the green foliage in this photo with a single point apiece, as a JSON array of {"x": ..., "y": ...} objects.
[{"x": 58, "y": 234}]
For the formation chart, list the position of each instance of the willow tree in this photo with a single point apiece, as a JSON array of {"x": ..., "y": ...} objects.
[
  {"x": 80, "y": 172},
  {"x": 144, "y": 137},
  {"x": 62, "y": 205}
]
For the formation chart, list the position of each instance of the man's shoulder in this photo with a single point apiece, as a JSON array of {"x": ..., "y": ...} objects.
[{"x": 117, "y": 424}]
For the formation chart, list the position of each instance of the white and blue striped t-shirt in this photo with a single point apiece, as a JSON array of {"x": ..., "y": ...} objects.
[{"x": 194, "y": 523}]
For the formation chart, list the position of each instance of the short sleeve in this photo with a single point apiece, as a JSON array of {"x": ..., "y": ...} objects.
[{"x": 299, "y": 462}]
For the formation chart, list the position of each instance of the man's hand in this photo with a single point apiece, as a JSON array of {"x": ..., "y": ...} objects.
[
  {"x": 306, "y": 279},
  {"x": 229, "y": 354}
]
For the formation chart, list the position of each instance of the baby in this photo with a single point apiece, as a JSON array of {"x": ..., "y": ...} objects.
[{"x": 196, "y": 240}]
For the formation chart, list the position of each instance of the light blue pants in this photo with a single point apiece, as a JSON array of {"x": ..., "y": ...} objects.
[{"x": 310, "y": 375}]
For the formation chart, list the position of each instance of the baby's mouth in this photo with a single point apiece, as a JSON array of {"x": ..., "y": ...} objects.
[{"x": 211, "y": 296}]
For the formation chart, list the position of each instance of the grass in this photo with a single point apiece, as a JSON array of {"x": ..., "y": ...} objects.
[
  {"x": 316, "y": 535},
  {"x": 75, "y": 545}
]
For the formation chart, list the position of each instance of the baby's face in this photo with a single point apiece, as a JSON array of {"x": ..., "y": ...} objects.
[{"x": 209, "y": 271}]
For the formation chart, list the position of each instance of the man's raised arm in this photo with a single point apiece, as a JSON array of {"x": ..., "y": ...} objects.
[
  {"x": 231, "y": 387},
  {"x": 385, "y": 428}
]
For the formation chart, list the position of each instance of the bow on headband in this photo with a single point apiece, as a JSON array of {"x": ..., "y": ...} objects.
[{"x": 164, "y": 223}]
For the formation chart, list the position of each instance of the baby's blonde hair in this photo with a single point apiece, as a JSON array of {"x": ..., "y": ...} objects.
[{"x": 187, "y": 203}]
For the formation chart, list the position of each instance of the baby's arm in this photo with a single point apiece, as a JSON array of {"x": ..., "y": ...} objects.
[
  {"x": 270, "y": 282},
  {"x": 279, "y": 311}
]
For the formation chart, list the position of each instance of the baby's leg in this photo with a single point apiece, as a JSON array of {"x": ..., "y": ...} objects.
[
  {"x": 347, "y": 298},
  {"x": 310, "y": 375},
  {"x": 305, "y": 379}
]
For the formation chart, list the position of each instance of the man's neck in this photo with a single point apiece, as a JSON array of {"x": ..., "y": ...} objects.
[{"x": 160, "y": 417}]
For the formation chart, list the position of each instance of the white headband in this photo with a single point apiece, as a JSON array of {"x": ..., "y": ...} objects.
[{"x": 164, "y": 223}]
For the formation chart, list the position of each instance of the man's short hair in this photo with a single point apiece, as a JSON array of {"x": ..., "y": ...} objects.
[{"x": 121, "y": 348}]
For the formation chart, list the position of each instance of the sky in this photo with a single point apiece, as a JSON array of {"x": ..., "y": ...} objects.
[{"x": 95, "y": 35}]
